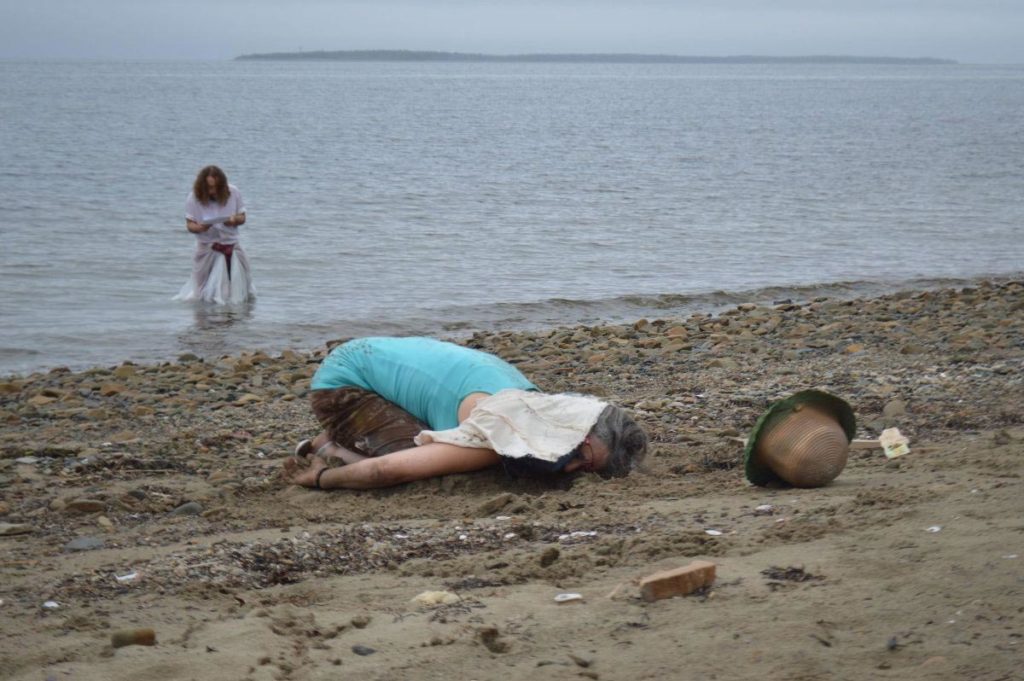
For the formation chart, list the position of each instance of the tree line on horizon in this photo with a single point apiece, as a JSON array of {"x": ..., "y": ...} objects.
[{"x": 610, "y": 58}]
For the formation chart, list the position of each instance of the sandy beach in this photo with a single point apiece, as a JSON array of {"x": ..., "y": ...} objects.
[{"x": 149, "y": 497}]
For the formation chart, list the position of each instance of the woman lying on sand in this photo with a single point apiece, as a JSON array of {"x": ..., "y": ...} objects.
[{"x": 396, "y": 410}]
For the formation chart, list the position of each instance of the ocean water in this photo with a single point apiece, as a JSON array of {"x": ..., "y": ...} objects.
[{"x": 437, "y": 198}]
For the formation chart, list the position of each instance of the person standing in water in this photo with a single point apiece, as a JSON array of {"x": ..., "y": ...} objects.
[{"x": 220, "y": 268}]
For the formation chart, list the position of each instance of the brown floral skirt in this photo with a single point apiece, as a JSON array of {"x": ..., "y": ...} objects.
[{"x": 365, "y": 422}]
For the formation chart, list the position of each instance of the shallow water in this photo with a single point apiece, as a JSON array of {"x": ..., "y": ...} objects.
[{"x": 439, "y": 198}]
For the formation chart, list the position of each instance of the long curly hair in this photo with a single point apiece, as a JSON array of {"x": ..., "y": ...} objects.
[{"x": 202, "y": 192}]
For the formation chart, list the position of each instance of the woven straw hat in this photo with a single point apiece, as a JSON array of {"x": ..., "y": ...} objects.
[{"x": 802, "y": 441}]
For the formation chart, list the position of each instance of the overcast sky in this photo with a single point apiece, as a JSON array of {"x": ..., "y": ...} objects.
[{"x": 970, "y": 31}]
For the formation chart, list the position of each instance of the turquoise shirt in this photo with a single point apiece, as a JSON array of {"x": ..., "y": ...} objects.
[{"x": 426, "y": 377}]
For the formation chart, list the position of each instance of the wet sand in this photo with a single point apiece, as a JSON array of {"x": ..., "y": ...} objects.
[{"x": 167, "y": 478}]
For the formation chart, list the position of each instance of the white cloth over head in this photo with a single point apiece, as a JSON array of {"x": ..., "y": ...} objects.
[{"x": 520, "y": 423}]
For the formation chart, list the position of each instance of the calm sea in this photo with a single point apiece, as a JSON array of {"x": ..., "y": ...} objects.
[{"x": 396, "y": 198}]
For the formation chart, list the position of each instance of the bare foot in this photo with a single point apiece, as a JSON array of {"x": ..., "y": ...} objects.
[{"x": 297, "y": 472}]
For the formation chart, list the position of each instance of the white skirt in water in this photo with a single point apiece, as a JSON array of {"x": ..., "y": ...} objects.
[{"x": 211, "y": 281}]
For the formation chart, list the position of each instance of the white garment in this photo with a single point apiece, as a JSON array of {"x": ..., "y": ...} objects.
[
  {"x": 218, "y": 233},
  {"x": 210, "y": 282},
  {"x": 519, "y": 423}
]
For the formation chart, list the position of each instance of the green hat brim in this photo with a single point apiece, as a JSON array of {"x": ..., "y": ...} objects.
[{"x": 758, "y": 472}]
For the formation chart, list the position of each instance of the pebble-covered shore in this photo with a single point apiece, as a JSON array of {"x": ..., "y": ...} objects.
[
  {"x": 953, "y": 358},
  {"x": 716, "y": 371},
  {"x": 170, "y": 471}
]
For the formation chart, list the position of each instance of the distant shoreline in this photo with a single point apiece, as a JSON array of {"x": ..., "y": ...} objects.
[{"x": 413, "y": 55}]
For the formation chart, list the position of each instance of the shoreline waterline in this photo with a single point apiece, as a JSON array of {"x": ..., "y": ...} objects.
[{"x": 537, "y": 317}]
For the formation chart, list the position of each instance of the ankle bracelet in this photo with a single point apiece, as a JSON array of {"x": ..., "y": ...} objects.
[{"x": 320, "y": 475}]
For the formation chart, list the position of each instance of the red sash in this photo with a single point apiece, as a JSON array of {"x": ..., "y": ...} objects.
[{"x": 227, "y": 250}]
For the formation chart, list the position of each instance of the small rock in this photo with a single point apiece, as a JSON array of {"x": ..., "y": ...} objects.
[
  {"x": 86, "y": 506},
  {"x": 255, "y": 482},
  {"x": 436, "y": 598},
  {"x": 84, "y": 544},
  {"x": 215, "y": 513},
  {"x": 550, "y": 555},
  {"x": 885, "y": 390},
  {"x": 188, "y": 508},
  {"x": 10, "y": 529},
  {"x": 491, "y": 506},
  {"x": 894, "y": 408},
  {"x": 363, "y": 650},
  {"x": 220, "y": 476},
  {"x": 677, "y": 582},
  {"x": 9, "y": 388},
  {"x": 581, "y": 661}
]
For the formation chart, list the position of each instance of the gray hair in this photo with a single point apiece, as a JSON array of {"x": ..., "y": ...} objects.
[{"x": 626, "y": 441}]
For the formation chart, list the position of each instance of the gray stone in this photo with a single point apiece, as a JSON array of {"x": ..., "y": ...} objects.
[
  {"x": 188, "y": 508},
  {"x": 877, "y": 425},
  {"x": 894, "y": 408},
  {"x": 84, "y": 544}
]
